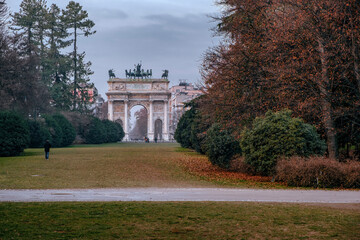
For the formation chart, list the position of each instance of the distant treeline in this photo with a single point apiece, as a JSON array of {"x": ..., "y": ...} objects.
[{"x": 18, "y": 133}]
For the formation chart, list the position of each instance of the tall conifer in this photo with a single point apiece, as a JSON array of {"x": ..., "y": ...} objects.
[{"x": 78, "y": 22}]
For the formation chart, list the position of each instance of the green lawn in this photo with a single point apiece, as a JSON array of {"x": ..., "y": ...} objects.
[
  {"x": 98, "y": 166},
  {"x": 149, "y": 220},
  {"x": 152, "y": 165},
  {"x": 115, "y": 165}
]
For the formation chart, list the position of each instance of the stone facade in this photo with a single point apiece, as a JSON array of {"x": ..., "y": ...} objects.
[
  {"x": 152, "y": 94},
  {"x": 180, "y": 95}
]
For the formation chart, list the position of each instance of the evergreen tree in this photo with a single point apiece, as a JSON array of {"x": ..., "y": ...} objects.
[
  {"x": 21, "y": 87},
  {"x": 58, "y": 65},
  {"x": 77, "y": 20},
  {"x": 14, "y": 134},
  {"x": 68, "y": 130},
  {"x": 39, "y": 133},
  {"x": 83, "y": 85}
]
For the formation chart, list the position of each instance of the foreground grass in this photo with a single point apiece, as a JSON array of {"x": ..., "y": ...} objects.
[
  {"x": 116, "y": 165},
  {"x": 97, "y": 166},
  {"x": 209, "y": 220}
]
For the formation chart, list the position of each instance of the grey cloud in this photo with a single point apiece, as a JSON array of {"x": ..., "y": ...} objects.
[{"x": 105, "y": 13}]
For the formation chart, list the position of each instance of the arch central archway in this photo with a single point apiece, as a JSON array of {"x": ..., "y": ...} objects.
[
  {"x": 152, "y": 94},
  {"x": 138, "y": 123}
]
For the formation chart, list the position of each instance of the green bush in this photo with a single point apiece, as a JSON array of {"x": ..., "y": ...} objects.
[
  {"x": 56, "y": 133},
  {"x": 68, "y": 131},
  {"x": 275, "y": 135},
  {"x": 221, "y": 146},
  {"x": 96, "y": 133},
  {"x": 199, "y": 127},
  {"x": 14, "y": 134},
  {"x": 39, "y": 133},
  {"x": 183, "y": 130},
  {"x": 114, "y": 131},
  {"x": 81, "y": 124}
]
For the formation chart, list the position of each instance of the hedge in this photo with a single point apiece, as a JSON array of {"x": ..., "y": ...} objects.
[{"x": 318, "y": 172}]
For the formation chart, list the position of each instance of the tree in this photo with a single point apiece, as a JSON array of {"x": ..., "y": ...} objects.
[
  {"x": 39, "y": 133},
  {"x": 56, "y": 132},
  {"x": 3, "y": 14},
  {"x": 221, "y": 146},
  {"x": 77, "y": 20},
  {"x": 139, "y": 131},
  {"x": 58, "y": 65},
  {"x": 68, "y": 131},
  {"x": 114, "y": 131},
  {"x": 276, "y": 135},
  {"x": 21, "y": 88},
  {"x": 291, "y": 54},
  {"x": 96, "y": 133},
  {"x": 183, "y": 131},
  {"x": 30, "y": 22},
  {"x": 14, "y": 134}
]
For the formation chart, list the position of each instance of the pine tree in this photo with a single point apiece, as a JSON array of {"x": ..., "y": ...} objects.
[
  {"x": 58, "y": 65},
  {"x": 21, "y": 80},
  {"x": 77, "y": 20}
]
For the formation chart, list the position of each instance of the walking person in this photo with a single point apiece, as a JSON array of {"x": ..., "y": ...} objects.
[{"x": 47, "y": 147}]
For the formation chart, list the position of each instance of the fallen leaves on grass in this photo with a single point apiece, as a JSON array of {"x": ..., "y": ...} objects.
[{"x": 200, "y": 166}]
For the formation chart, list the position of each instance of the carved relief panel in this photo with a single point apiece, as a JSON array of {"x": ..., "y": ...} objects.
[
  {"x": 158, "y": 107},
  {"x": 159, "y": 86},
  {"x": 119, "y": 107}
]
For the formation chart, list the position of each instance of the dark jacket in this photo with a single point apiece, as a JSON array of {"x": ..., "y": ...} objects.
[{"x": 47, "y": 147}]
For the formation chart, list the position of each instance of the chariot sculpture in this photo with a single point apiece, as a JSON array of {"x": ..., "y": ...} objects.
[{"x": 137, "y": 72}]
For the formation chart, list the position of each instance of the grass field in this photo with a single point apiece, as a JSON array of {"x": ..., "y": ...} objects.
[
  {"x": 117, "y": 165},
  {"x": 154, "y": 165},
  {"x": 176, "y": 221}
]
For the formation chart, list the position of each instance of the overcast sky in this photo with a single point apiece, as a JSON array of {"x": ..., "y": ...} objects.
[{"x": 163, "y": 34}]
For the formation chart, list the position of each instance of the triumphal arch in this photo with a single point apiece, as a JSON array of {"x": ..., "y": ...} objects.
[{"x": 139, "y": 88}]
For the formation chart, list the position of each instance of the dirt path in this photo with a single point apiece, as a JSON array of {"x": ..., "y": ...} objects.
[{"x": 180, "y": 194}]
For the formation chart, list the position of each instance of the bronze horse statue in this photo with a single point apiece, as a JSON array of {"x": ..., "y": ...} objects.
[
  {"x": 165, "y": 75},
  {"x": 112, "y": 73}
]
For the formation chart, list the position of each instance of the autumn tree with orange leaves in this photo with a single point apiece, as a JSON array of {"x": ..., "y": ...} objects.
[{"x": 296, "y": 54}]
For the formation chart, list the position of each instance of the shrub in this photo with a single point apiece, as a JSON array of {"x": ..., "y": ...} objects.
[
  {"x": 81, "y": 124},
  {"x": 14, "y": 134},
  {"x": 39, "y": 133},
  {"x": 68, "y": 131},
  {"x": 56, "y": 133},
  {"x": 96, "y": 133},
  {"x": 183, "y": 130},
  {"x": 199, "y": 128},
  {"x": 275, "y": 135},
  {"x": 318, "y": 172},
  {"x": 221, "y": 146},
  {"x": 114, "y": 131}
]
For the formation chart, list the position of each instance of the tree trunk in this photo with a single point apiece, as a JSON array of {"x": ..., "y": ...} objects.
[
  {"x": 324, "y": 85},
  {"x": 75, "y": 65},
  {"x": 356, "y": 63}
]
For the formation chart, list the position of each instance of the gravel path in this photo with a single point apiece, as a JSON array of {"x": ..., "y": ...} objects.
[{"x": 180, "y": 194}]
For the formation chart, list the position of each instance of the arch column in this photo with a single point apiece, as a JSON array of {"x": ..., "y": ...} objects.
[
  {"x": 110, "y": 110},
  {"x": 126, "y": 123},
  {"x": 166, "y": 121},
  {"x": 151, "y": 122}
]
